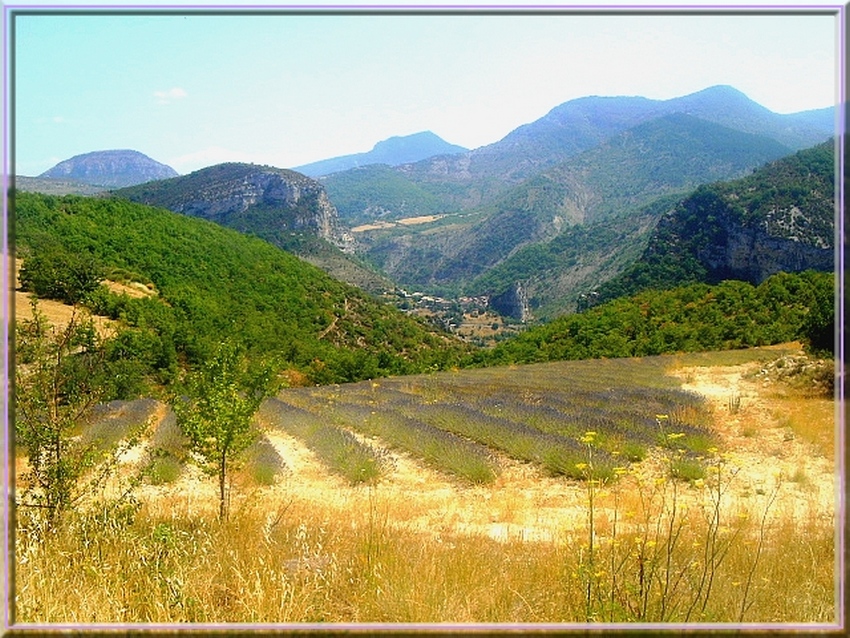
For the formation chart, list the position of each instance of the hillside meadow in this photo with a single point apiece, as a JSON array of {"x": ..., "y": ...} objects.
[{"x": 676, "y": 489}]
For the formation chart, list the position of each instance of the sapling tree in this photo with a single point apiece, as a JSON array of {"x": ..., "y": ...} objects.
[
  {"x": 61, "y": 373},
  {"x": 216, "y": 407}
]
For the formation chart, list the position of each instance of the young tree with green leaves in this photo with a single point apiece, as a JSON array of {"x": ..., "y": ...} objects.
[
  {"x": 61, "y": 373},
  {"x": 216, "y": 407}
]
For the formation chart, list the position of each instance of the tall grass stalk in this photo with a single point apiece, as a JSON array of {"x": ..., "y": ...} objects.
[
  {"x": 746, "y": 603},
  {"x": 667, "y": 564}
]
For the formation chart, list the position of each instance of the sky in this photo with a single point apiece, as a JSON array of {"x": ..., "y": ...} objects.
[{"x": 192, "y": 90}]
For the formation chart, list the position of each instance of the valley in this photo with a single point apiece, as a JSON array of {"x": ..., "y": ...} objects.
[
  {"x": 563, "y": 208},
  {"x": 584, "y": 374},
  {"x": 405, "y": 221}
]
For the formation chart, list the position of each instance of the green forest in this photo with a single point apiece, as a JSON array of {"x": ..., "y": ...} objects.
[
  {"x": 693, "y": 318},
  {"x": 800, "y": 182},
  {"x": 213, "y": 284}
]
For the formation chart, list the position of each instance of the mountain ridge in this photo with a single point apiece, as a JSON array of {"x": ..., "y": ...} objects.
[
  {"x": 248, "y": 198},
  {"x": 392, "y": 151},
  {"x": 480, "y": 176},
  {"x": 284, "y": 207},
  {"x": 667, "y": 155},
  {"x": 778, "y": 219}
]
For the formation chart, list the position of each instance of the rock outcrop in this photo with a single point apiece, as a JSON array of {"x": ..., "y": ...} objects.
[
  {"x": 259, "y": 199},
  {"x": 752, "y": 253},
  {"x": 512, "y": 303}
]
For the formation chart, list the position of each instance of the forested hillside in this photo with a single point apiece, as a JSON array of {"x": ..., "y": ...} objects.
[
  {"x": 214, "y": 284},
  {"x": 283, "y": 207},
  {"x": 779, "y": 219},
  {"x": 694, "y": 318},
  {"x": 668, "y": 155}
]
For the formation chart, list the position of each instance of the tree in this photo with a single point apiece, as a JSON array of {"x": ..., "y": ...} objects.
[
  {"x": 61, "y": 373},
  {"x": 56, "y": 273},
  {"x": 216, "y": 408},
  {"x": 818, "y": 329}
]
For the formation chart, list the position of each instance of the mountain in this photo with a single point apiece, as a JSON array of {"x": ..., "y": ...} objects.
[
  {"x": 668, "y": 155},
  {"x": 211, "y": 283},
  {"x": 481, "y": 176},
  {"x": 581, "y": 124},
  {"x": 110, "y": 169},
  {"x": 779, "y": 219},
  {"x": 393, "y": 151},
  {"x": 286, "y": 208},
  {"x": 561, "y": 275},
  {"x": 664, "y": 155},
  {"x": 247, "y": 197},
  {"x": 378, "y": 192}
]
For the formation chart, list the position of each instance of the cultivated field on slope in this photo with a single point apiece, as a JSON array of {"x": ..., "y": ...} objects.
[{"x": 532, "y": 541}]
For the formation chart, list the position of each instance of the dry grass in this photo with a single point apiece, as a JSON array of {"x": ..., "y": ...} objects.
[
  {"x": 805, "y": 416},
  {"x": 419, "y": 547},
  {"x": 57, "y": 314},
  {"x": 296, "y": 560}
]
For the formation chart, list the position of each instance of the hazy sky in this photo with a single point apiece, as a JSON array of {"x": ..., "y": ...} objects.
[{"x": 195, "y": 90}]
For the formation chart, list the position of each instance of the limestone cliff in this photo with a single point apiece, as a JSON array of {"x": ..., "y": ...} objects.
[
  {"x": 263, "y": 200},
  {"x": 779, "y": 219},
  {"x": 512, "y": 303},
  {"x": 752, "y": 252}
]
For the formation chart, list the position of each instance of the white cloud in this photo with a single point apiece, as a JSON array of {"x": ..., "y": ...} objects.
[{"x": 166, "y": 97}]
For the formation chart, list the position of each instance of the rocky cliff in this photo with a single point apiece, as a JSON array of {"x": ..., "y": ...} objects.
[
  {"x": 263, "y": 200},
  {"x": 781, "y": 218},
  {"x": 512, "y": 303},
  {"x": 753, "y": 253}
]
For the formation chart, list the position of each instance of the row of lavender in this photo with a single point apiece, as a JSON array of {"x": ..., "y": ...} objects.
[{"x": 461, "y": 422}]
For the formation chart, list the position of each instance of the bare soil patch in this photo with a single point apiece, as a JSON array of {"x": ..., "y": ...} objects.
[
  {"x": 57, "y": 314},
  {"x": 764, "y": 446},
  {"x": 407, "y": 221}
]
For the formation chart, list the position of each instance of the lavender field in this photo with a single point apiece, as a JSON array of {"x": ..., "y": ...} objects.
[{"x": 461, "y": 423}]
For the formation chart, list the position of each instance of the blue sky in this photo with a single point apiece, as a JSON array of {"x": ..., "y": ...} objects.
[{"x": 195, "y": 90}]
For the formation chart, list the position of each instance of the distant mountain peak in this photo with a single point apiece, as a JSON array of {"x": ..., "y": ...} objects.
[
  {"x": 110, "y": 169},
  {"x": 720, "y": 96},
  {"x": 394, "y": 151},
  {"x": 721, "y": 89}
]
